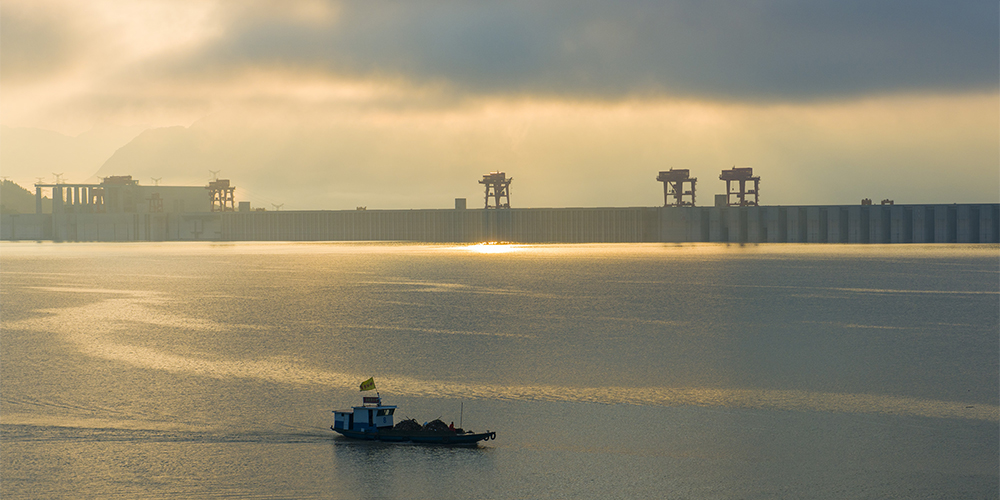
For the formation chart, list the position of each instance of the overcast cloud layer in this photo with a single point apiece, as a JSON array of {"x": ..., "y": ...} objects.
[
  {"x": 770, "y": 50},
  {"x": 349, "y": 94}
]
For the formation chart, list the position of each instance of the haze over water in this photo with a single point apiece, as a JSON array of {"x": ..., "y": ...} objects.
[{"x": 607, "y": 371}]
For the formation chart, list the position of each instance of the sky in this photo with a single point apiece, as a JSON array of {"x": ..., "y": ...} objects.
[{"x": 388, "y": 104}]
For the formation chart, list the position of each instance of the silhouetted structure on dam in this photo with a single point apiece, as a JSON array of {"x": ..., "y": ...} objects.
[
  {"x": 222, "y": 195},
  {"x": 674, "y": 192},
  {"x": 498, "y": 188},
  {"x": 741, "y": 175}
]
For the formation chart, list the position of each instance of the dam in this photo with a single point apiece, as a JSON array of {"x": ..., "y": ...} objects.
[
  {"x": 119, "y": 209},
  {"x": 955, "y": 223}
]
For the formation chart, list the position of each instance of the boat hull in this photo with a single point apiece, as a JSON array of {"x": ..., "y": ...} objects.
[{"x": 422, "y": 437}]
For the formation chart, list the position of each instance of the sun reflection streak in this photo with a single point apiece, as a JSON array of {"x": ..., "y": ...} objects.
[{"x": 107, "y": 340}]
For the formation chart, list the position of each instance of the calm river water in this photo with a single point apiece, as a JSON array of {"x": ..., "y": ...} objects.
[{"x": 191, "y": 370}]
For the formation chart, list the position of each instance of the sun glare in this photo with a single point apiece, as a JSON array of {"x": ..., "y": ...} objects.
[{"x": 492, "y": 247}]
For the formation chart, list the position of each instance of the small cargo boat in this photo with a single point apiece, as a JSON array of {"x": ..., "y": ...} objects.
[{"x": 373, "y": 421}]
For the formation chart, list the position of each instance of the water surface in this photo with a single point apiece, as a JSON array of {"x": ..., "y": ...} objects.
[{"x": 623, "y": 371}]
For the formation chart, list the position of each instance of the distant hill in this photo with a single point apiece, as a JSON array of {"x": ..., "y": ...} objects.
[
  {"x": 14, "y": 199},
  {"x": 175, "y": 155},
  {"x": 29, "y": 153}
]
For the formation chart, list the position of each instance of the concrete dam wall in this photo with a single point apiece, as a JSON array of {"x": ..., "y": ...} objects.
[{"x": 957, "y": 223}]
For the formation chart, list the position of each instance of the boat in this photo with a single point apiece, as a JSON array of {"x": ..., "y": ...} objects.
[{"x": 373, "y": 421}]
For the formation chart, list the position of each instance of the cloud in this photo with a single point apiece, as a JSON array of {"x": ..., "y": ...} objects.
[
  {"x": 330, "y": 105},
  {"x": 767, "y": 50},
  {"x": 36, "y": 42},
  {"x": 162, "y": 62}
]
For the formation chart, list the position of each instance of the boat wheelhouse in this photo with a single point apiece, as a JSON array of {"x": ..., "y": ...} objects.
[{"x": 371, "y": 416}]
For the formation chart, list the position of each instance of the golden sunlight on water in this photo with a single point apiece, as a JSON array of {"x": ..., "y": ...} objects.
[
  {"x": 488, "y": 248},
  {"x": 89, "y": 329},
  {"x": 790, "y": 400}
]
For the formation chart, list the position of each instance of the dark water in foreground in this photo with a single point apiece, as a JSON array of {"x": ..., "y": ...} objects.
[{"x": 607, "y": 371}]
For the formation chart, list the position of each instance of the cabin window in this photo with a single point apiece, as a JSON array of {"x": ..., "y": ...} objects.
[{"x": 386, "y": 411}]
